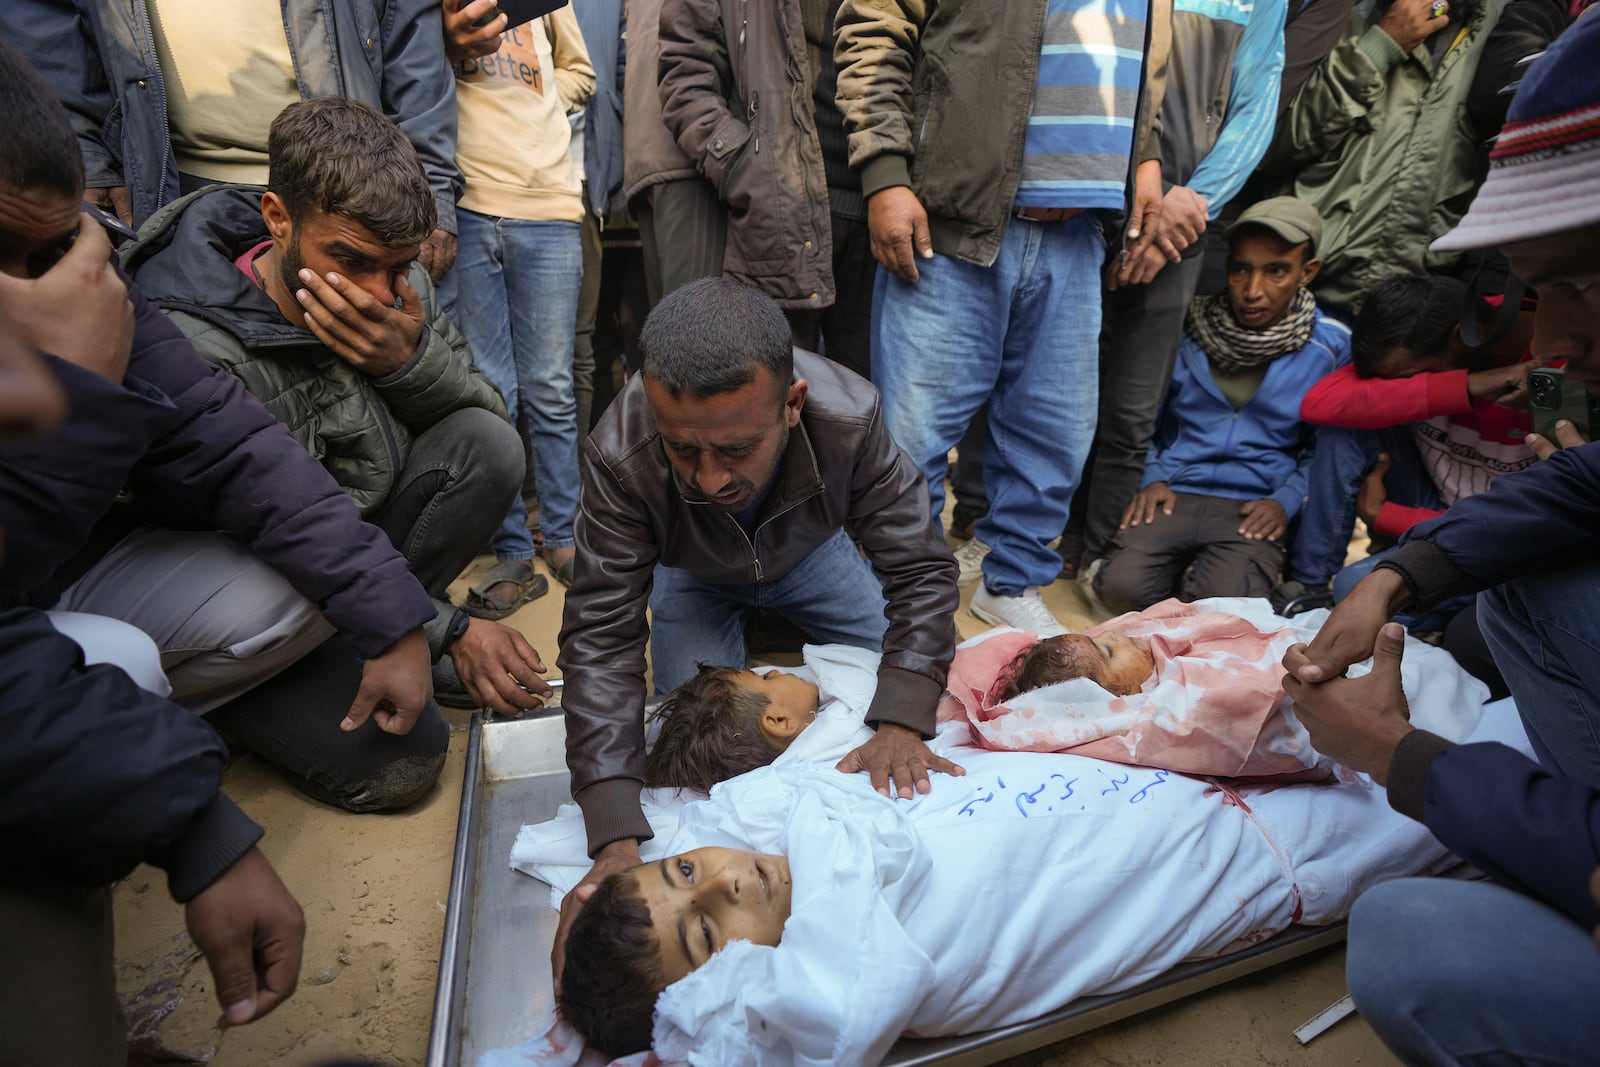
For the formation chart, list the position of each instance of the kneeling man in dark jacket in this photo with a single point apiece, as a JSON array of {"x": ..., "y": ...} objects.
[
  {"x": 170, "y": 499},
  {"x": 736, "y": 472},
  {"x": 309, "y": 292}
]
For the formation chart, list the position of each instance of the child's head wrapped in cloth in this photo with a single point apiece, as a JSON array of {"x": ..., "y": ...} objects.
[
  {"x": 1118, "y": 664},
  {"x": 1195, "y": 688}
]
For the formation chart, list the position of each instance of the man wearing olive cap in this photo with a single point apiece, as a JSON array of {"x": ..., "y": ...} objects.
[{"x": 1227, "y": 469}]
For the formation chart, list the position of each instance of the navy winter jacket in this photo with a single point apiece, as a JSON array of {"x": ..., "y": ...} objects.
[
  {"x": 602, "y": 23},
  {"x": 1530, "y": 522},
  {"x": 97, "y": 775},
  {"x": 195, "y": 451},
  {"x": 1506, "y": 815}
]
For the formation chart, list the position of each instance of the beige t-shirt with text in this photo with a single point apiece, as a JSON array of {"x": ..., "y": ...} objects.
[{"x": 512, "y": 143}]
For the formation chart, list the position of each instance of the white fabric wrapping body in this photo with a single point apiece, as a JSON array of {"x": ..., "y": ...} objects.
[
  {"x": 556, "y": 851},
  {"x": 1034, "y": 880}
]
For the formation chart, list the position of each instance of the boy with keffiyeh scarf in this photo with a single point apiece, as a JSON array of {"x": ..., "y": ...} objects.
[{"x": 1226, "y": 474}]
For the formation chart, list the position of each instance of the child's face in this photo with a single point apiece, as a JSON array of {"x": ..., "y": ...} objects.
[
  {"x": 701, "y": 900},
  {"x": 1119, "y": 664},
  {"x": 1127, "y": 662},
  {"x": 791, "y": 703}
]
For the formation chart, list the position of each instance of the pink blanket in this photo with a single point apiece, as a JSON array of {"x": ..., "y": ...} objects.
[{"x": 1214, "y": 705}]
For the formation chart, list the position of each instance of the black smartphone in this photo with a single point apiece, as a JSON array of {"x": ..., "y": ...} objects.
[
  {"x": 519, "y": 11},
  {"x": 1552, "y": 396}
]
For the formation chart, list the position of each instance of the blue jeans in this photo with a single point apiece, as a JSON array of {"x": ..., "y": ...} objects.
[
  {"x": 832, "y": 594},
  {"x": 1022, "y": 336},
  {"x": 517, "y": 288},
  {"x": 1343, "y": 459},
  {"x": 1545, "y": 637},
  {"x": 1452, "y": 972}
]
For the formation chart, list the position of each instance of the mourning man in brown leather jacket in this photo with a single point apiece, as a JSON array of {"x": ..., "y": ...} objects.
[{"x": 732, "y": 475}]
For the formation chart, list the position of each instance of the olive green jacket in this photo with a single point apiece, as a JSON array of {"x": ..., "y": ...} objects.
[
  {"x": 359, "y": 427},
  {"x": 1380, "y": 142}
]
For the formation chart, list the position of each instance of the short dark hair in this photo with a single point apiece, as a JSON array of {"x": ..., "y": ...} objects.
[
  {"x": 42, "y": 151},
  {"x": 1043, "y": 663},
  {"x": 342, "y": 157},
  {"x": 713, "y": 336},
  {"x": 1418, "y": 312},
  {"x": 613, "y": 972},
  {"x": 710, "y": 731}
]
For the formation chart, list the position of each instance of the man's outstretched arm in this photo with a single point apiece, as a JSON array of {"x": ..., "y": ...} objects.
[{"x": 1491, "y": 805}]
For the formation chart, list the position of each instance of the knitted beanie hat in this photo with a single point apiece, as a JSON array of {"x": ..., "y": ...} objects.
[{"x": 1544, "y": 172}]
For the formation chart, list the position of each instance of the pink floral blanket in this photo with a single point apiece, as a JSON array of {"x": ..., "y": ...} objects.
[{"x": 1214, "y": 704}]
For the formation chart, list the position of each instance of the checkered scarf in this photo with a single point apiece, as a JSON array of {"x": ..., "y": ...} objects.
[{"x": 1233, "y": 348}]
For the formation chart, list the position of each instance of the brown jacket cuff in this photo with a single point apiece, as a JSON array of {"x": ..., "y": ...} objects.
[
  {"x": 1408, "y": 771},
  {"x": 1429, "y": 573},
  {"x": 884, "y": 172},
  {"x": 611, "y": 811},
  {"x": 907, "y": 699}
]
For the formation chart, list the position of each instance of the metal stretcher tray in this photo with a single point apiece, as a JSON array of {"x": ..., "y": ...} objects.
[{"x": 494, "y": 965}]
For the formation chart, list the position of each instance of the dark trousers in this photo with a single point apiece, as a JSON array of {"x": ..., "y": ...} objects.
[
  {"x": 1342, "y": 461},
  {"x": 583, "y": 355},
  {"x": 1148, "y": 563},
  {"x": 683, "y": 228},
  {"x": 845, "y": 328},
  {"x": 58, "y": 1003},
  {"x": 1138, "y": 349},
  {"x": 292, "y": 722},
  {"x": 966, "y": 473},
  {"x": 623, "y": 304},
  {"x": 1545, "y": 636},
  {"x": 457, "y": 483}
]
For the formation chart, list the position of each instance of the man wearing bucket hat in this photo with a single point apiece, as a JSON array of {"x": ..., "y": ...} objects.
[{"x": 1448, "y": 971}]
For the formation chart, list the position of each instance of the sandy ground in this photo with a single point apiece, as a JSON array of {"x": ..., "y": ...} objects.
[{"x": 374, "y": 888}]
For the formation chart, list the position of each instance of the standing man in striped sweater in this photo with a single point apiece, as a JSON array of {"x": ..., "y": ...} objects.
[{"x": 990, "y": 140}]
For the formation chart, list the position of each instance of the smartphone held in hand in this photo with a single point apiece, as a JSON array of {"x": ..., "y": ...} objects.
[
  {"x": 518, "y": 12},
  {"x": 1552, "y": 396}
]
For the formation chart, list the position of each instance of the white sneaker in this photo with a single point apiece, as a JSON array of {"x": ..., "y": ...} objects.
[
  {"x": 1025, "y": 612},
  {"x": 969, "y": 554}
]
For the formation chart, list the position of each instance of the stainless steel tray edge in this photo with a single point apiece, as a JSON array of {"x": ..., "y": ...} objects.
[
  {"x": 443, "y": 1050},
  {"x": 1091, "y": 1013}
]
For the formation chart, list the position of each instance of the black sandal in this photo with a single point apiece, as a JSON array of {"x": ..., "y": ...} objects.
[{"x": 531, "y": 585}]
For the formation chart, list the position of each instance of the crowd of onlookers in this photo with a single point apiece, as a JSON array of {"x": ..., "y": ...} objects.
[{"x": 333, "y": 294}]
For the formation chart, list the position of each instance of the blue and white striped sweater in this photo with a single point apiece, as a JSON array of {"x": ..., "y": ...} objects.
[{"x": 1080, "y": 126}]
